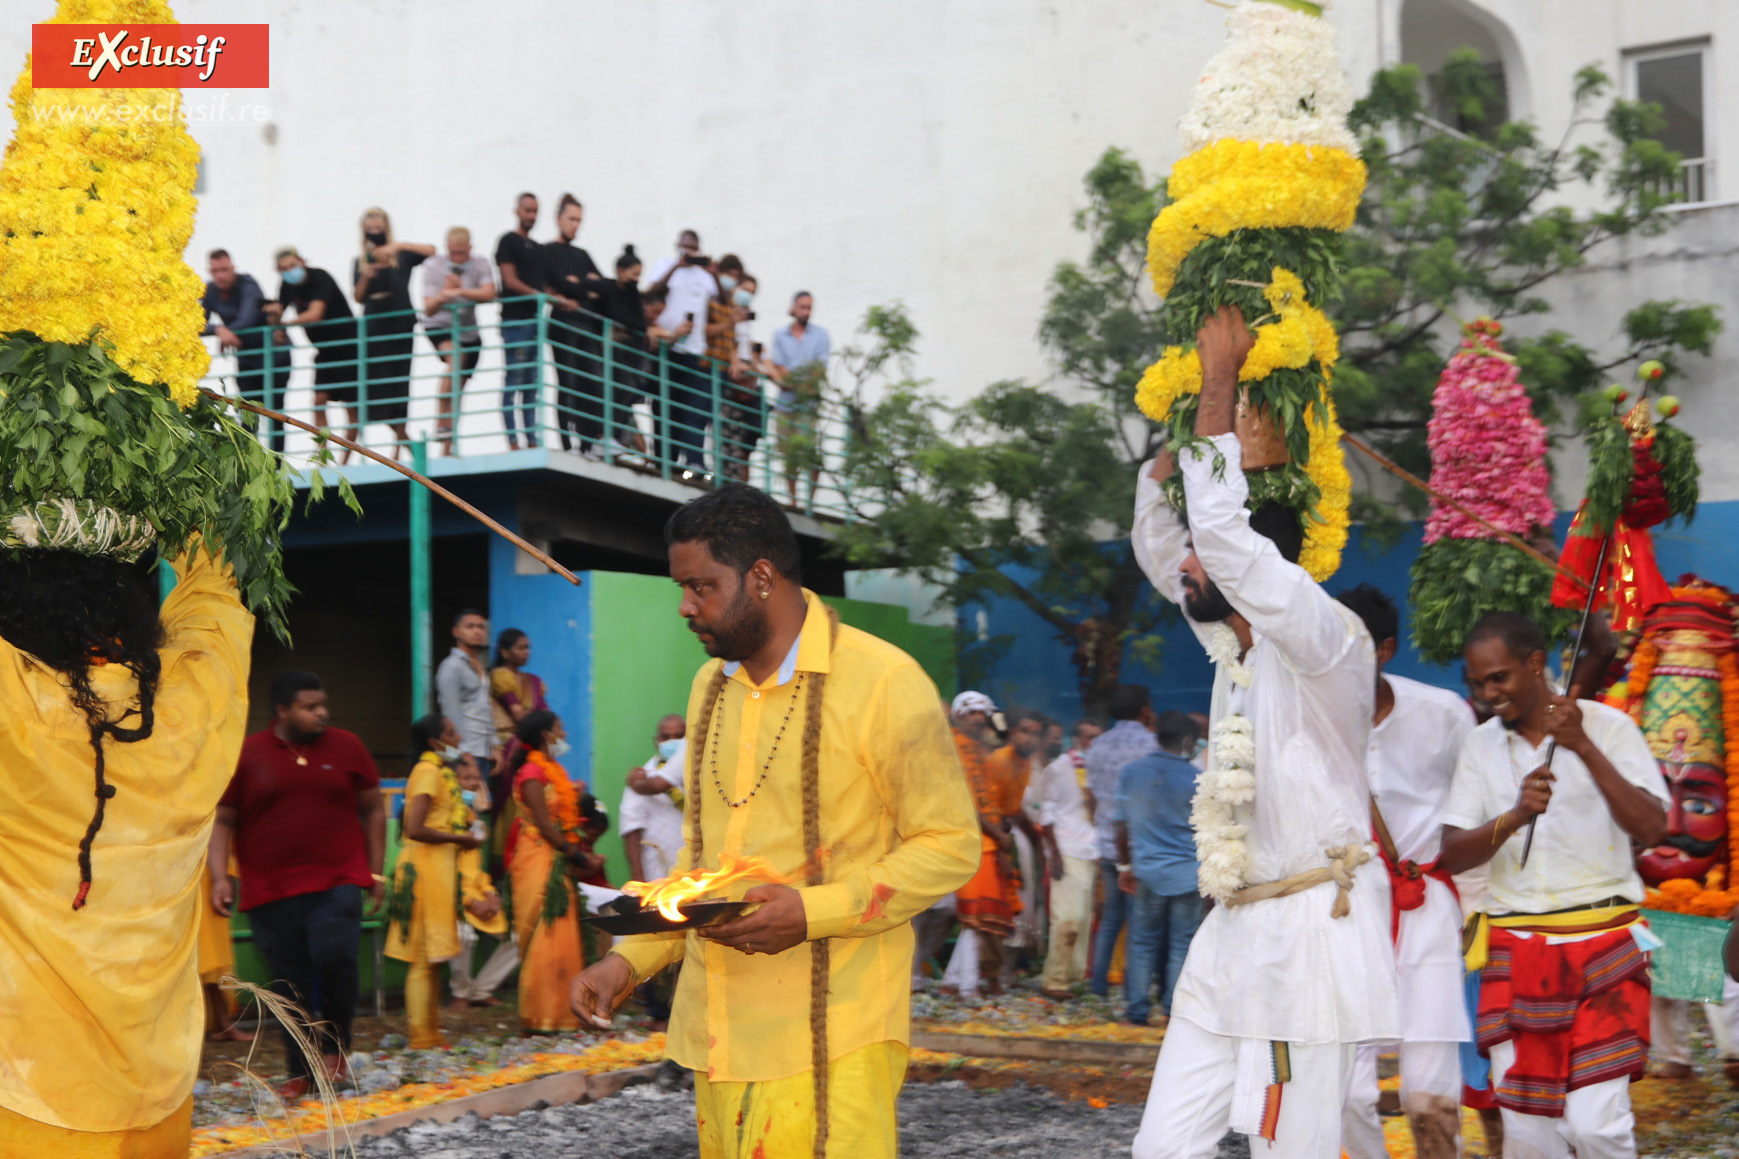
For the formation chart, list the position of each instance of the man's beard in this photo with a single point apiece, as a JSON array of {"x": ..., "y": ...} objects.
[
  {"x": 296, "y": 736},
  {"x": 743, "y": 632},
  {"x": 1207, "y": 606}
]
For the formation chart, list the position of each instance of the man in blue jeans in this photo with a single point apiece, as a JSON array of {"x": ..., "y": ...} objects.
[
  {"x": 1158, "y": 869},
  {"x": 517, "y": 257},
  {"x": 1129, "y": 738}
]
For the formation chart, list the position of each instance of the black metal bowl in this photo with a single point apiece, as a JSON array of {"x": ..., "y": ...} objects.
[{"x": 625, "y": 916}]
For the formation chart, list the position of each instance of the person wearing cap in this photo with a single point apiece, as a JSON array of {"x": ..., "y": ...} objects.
[{"x": 987, "y": 904}]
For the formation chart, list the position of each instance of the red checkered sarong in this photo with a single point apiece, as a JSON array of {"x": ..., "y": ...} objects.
[{"x": 1576, "y": 1011}]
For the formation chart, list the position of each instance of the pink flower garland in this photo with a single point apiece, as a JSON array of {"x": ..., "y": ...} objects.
[{"x": 1488, "y": 451}]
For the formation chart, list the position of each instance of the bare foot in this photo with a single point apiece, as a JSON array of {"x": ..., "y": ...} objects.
[{"x": 1672, "y": 1071}]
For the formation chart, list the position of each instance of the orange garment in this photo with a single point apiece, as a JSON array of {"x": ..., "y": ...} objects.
[
  {"x": 990, "y": 901},
  {"x": 550, "y": 952},
  {"x": 215, "y": 954}
]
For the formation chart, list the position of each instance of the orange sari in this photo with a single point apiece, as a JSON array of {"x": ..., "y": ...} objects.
[
  {"x": 990, "y": 901},
  {"x": 550, "y": 951}
]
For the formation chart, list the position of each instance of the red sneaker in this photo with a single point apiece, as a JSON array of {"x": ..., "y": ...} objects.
[
  {"x": 337, "y": 1067},
  {"x": 295, "y": 1090}
]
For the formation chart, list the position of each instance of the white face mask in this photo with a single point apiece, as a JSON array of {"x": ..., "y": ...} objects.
[{"x": 560, "y": 748}]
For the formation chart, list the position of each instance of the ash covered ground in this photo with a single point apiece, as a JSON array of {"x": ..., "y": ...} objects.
[{"x": 937, "y": 1121}]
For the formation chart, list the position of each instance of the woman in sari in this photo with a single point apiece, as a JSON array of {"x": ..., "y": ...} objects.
[
  {"x": 549, "y": 848},
  {"x": 438, "y": 870}
]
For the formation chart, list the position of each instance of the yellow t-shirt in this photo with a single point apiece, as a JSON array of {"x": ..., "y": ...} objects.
[
  {"x": 101, "y": 1007},
  {"x": 898, "y": 827}
]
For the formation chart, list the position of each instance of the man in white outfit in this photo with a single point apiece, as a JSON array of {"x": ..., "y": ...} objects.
[
  {"x": 1057, "y": 801},
  {"x": 650, "y": 819},
  {"x": 1282, "y": 983},
  {"x": 1416, "y": 735}
]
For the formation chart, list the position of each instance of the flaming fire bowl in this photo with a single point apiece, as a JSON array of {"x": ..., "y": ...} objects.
[{"x": 624, "y": 916}]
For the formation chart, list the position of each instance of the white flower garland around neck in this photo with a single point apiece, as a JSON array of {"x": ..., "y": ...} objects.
[{"x": 1229, "y": 781}]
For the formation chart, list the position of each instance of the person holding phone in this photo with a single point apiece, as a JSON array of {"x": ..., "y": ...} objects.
[{"x": 688, "y": 284}]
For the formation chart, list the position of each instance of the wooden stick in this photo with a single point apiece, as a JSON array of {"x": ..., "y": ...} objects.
[
  {"x": 329, "y": 436},
  {"x": 1515, "y": 541}
]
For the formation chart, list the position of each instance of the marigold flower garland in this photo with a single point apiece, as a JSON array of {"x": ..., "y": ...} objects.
[
  {"x": 1272, "y": 174},
  {"x": 94, "y": 217}
]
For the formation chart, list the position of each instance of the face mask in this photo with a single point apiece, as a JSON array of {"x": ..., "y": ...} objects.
[
  {"x": 376, "y": 237},
  {"x": 559, "y": 749},
  {"x": 294, "y": 275},
  {"x": 744, "y": 297},
  {"x": 668, "y": 748},
  {"x": 469, "y": 796},
  {"x": 1201, "y": 746},
  {"x": 449, "y": 755},
  {"x": 727, "y": 282}
]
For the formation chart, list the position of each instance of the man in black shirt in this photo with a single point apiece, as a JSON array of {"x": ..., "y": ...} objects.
[
  {"x": 521, "y": 280},
  {"x": 239, "y": 304},
  {"x": 325, "y": 317},
  {"x": 575, "y": 331}
]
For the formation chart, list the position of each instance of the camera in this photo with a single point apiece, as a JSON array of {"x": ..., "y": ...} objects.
[
  {"x": 749, "y": 316},
  {"x": 695, "y": 260}
]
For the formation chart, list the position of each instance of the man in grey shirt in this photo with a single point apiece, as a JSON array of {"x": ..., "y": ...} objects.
[
  {"x": 1129, "y": 738},
  {"x": 453, "y": 284},
  {"x": 462, "y": 687}
]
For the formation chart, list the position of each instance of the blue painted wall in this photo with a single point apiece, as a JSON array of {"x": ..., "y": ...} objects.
[
  {"x": 558, "y": 618},
  {"x": 1035, "y": 670}
]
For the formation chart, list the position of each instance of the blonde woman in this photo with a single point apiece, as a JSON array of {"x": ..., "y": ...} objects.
[{"x": 382, "y": 275}]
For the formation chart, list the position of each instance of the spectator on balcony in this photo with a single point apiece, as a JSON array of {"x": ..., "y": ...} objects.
[
  {"x": 620, "y": 302},
  {"x": 325, "y": 317},
  {"x": 451, "y": 291},
  {"x": 519, "y": 260},
  {"x": 676, "y": 442},
  {"x": 741, "y": 409},
  {"x": 800, "y": 354},
  {"x": 689, "y": 285},
  {"x": 575, "y": 332},
  {"x": 239, "y": 304},
  {"x": 382, "y": 275}
]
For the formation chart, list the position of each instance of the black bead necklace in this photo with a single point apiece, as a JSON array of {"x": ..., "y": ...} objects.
[{"x": 766, "y": 766}]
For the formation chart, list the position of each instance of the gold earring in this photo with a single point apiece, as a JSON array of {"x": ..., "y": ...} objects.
[{"x": 765, "y": 594}]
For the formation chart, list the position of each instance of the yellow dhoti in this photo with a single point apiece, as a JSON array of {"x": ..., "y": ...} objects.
[
  {"x": 170, "y": 1139},
  {"x": 776, "y": 1119}
]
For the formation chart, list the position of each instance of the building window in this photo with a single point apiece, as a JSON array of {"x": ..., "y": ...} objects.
[{"x": 1677, "y": 79}]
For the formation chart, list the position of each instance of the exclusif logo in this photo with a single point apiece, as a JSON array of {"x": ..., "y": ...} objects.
[{"x": 149, "y": 56}]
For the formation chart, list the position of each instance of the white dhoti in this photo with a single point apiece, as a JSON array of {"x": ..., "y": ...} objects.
[
  {"x": 1071, "y": 916},
  {"x": 962, "y": 972},
  {"x": 1190, "y": 1105},
  {"x": 1670, "y": 1023},
  {"x": 1597, "y": 1122}
]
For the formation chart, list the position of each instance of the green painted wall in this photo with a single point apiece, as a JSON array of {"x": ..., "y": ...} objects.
[{"x": 644, "y": 659}]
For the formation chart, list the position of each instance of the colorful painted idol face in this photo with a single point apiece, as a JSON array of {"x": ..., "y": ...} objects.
[{"x": 1696, "y": 824}]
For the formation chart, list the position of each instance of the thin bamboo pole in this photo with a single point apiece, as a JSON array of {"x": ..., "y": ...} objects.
[{"x": 541, "y": 556}]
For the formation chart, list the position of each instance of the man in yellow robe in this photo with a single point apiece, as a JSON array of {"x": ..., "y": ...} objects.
[
  {"x": 100, "y": 1004},
  {"x": 823, "y": 751}
]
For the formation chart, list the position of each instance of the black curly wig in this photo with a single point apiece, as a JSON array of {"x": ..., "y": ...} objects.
[{"x": 73, "y": 612}]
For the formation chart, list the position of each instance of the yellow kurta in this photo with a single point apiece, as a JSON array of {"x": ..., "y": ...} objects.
[
  {"x": 899, "y": 828},
  {"x": 101, "y": 1008},
  {"x": 433, "y": 933}
]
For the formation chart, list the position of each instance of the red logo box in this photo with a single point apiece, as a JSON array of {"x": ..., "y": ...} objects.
[{"x": 149, "y": 56}]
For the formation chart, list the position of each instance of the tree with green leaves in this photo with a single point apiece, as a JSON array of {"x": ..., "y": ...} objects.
[
  {"x": 1459, "y": 224},
  {"x": 1026, "y": 492}
]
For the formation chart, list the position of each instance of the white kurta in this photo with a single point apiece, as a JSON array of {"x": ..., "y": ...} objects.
[
  {"x": 1581, "y": 855},
  {"x": 1282, "y": 969},
  {"x": 657, "y": 817},
  {"x": 1411, "y": 760}
]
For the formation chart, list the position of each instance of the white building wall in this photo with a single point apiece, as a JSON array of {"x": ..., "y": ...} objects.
[{"x": 924, "y": 150}]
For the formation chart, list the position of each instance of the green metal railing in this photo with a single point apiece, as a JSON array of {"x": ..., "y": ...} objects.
[{"x": 573, "y": 381}]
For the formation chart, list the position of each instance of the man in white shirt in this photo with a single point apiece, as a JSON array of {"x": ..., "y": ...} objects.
[
  {"x": 650, "y": 818},
  {"x": 1416, "y": 735},
  {"x": 689, "y": 284},
  {"x": 1056, "y": 799},
  {"x": 1282, "y": 983},
  {"x": 1564, "y": 995}
]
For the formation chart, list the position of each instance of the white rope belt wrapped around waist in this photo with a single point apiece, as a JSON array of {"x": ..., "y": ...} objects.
[{"x": 1342, "y": 861}]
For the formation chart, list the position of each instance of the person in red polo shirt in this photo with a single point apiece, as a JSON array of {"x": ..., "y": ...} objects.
[{"x": 304, "y": 811}]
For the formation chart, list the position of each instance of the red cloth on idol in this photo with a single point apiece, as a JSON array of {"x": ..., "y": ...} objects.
[
  {"x": 1576, "y": 1011},
  {"x": 1631, "y": 584}
]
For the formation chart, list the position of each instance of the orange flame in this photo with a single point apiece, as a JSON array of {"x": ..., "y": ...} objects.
[{"x": 669, "y": 894}]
